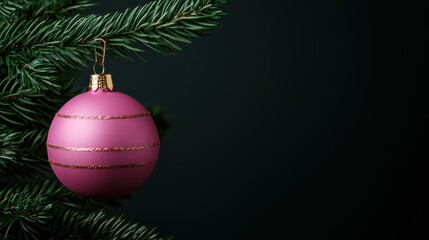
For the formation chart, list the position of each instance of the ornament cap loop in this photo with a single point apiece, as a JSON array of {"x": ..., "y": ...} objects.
[
  {"x": 101, "y": 63},
  {"x": 104, "y": 55},
  {"x": 100, "y": 81}
]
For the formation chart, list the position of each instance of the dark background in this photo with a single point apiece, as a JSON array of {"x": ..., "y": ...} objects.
[{"x": 294, "y": 120}]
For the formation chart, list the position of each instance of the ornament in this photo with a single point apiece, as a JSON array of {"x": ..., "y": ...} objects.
[{"x": 102, "y": 144}]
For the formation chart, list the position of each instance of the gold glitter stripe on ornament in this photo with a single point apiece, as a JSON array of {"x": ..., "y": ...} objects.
[
  {"x": 115, "y": 149},
  {"x": 103, "y": 166},
  {"x": 101, "y": 117}
]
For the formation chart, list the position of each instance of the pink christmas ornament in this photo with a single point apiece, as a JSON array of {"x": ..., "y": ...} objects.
[{"x": 102, "y": 144}]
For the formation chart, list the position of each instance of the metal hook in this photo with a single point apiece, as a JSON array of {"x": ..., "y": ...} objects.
[{"x": 104, "y": 55}]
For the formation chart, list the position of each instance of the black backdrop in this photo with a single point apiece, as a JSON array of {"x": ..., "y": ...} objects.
[{"x": 294, "y": 119}]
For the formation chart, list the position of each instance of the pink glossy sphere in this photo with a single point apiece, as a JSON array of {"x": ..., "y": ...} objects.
[{"x": 102, "y": 144}]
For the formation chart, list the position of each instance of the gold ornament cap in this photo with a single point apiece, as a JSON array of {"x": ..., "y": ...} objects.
[{"x": 101, "y": 81}]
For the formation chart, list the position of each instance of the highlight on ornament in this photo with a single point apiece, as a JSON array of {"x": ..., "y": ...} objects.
[{"x": 102, "y": 144}]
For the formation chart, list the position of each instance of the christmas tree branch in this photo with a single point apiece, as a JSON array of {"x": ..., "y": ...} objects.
[
  {"x": 11, "y": 10},
  {"x": 38, "y": 74},
  {"x": 21, "y": 152},
  {"x": 156, "y": 25},
  {"x": 99, "y": 225},
  {"x": 19, "y": 215},
  {"x": 54, "y": 192},
  {"x": 45, "y": 209},
  {"x": 25, "y": 116},
  {"x": 30, "y": 109}
]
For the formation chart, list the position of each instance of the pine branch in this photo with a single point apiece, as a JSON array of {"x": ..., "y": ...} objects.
[
  {"x": 30, "y": 109},
  {"x": 29, "y": 72},
  {"x": 22, "y": 152},
  {"x": 38, "y": 74},
  {"x": 45, "y": 209},
  {"x": 157, "y": 25},
  {"x": 56, "y": 193},
  {"x": 25, "y": 115},
  {"x": 12, "y": 10},
  {"x": 28, "y": 207},
  {"x": 98, "y": 225},
  {"x": 22, "y": 217}
]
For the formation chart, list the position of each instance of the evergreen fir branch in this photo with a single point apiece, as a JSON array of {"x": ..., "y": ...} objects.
[
  {"x": 22, "y": 153},
  {"x": 26, "y": 109},
  {"x": 157, "y": 25},
  {"x": 25, "y": 207},
  {"x": 98, "y": 225},
  {"x": 12, "y": 10},
  {"x": 25, "y": 116},
  {"x": 22, "y": 217},
  {"x": 33, "y": 107},
  {"x": 56, "y": 193},
  {"x": 38, "y": 74},
  {"x": 45, "y": 209}
]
